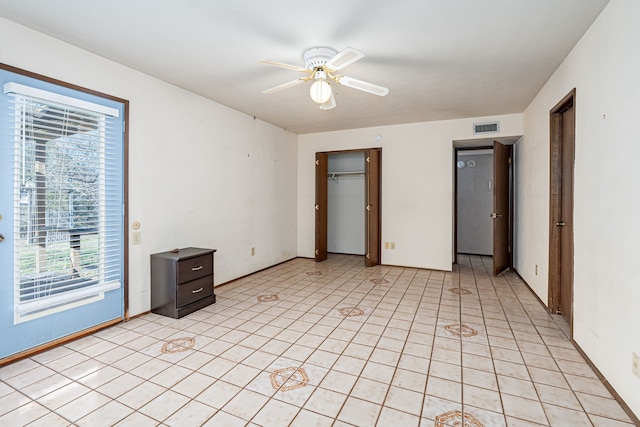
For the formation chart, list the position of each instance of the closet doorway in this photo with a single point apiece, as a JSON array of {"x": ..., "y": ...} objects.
[
  {"x": 348, "y": 204},
  {"x": 484, "y": 203}
]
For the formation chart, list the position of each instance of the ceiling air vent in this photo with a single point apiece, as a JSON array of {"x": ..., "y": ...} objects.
[{"x": 492, "y": 127}]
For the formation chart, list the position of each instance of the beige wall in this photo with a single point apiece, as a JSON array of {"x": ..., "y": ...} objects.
[
  {"x": 604, "y": 67},
  {"x": 417, "y": 184},
  {"x": 200, "y": 174}
]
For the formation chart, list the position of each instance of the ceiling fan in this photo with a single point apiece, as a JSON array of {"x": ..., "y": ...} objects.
[{"x": 321, "y": 65}]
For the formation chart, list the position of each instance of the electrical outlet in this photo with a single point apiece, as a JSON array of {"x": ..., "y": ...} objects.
[
  {"x": 536, "y": 269},
  {"x": 253, "y": 251},
  {"x": 635, "y": 364},
  {"x": 136, "y": 239}
]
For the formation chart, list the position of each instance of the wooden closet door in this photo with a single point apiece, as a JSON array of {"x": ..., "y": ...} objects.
[
  {"x": 321, "y": 206},
  {"x": 372, "y": 213}
]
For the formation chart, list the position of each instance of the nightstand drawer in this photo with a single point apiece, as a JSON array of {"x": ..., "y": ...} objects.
[
  {"x": 193, "y": 291},
  {"x": 193, "y": 268},
  {"x": 182, "y": 281}
]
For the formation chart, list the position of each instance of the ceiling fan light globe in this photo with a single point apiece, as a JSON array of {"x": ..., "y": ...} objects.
[{"x": 320, "y": 91}]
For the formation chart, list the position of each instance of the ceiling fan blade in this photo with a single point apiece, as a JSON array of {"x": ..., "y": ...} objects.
[
  {"x": 330, "y": 104},
  {"x": 362, "y": 85},
  {"x": 346, "y": 56},
  {"x": 283, "y": 65},
  {"x": 287, "y": 85}
]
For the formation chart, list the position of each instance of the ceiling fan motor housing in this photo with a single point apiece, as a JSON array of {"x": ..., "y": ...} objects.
[{"x": 317, "y": 57}]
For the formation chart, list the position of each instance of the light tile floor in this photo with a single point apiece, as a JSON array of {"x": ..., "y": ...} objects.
[{"x": 334, "y": 343}]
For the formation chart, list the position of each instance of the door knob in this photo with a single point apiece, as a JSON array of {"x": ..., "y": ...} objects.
[{"x": 1, "y": 238}]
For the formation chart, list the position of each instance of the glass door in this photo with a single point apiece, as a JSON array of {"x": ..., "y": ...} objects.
[{"x": 61, "y": 201}]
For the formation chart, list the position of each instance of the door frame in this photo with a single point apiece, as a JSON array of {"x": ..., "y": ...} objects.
[
  {"x": 372, "y": 211},
  {"x": 125, "y": 231},
  {"x": 455, "y": 197},
  {"x": 455, "y": 193},
  {"x": 555, "y": 202}
]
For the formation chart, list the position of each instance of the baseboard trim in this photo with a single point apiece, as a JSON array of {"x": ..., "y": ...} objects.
[
  {"x": 138, "y": 315},
  {"x": 55, "y": 343},
  {"x": 257, "y": 271},
  {"x": 609, "y": 387},
  {"x": 601, "y": 377},
  {"x": 532, "y": 292}
]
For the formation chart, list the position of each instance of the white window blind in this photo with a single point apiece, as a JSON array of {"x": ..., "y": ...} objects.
[{"x": 67, "y": 208}]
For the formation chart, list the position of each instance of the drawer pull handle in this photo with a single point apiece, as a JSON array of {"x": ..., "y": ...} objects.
[
  {"x": 197, "y": 290},
  {"x": 196, "y": 268}
]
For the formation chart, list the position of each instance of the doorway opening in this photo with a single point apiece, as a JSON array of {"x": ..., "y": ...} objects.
[
  {"x": 483, "y": 201},
  {"x": 474, "y": 198},
  {"x": 63, "y": 193},
  {"x": 562, "y": 149},
  {"x": 345, "y": 201},
  {"x": 348, "y": 204}
]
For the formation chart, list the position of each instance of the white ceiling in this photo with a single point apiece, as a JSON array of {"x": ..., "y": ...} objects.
[{"x": 441, "y": 59}]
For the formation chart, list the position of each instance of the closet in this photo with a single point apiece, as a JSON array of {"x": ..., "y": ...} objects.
[
  {"x": 348, "y": 204},
  {"x": 345, "y": 203}
]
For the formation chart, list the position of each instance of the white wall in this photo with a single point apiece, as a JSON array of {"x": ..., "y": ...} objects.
[
  {"x": 417, "y": 185},
  {"x": 604, "y": 67},
  {"x": 200, "y": 174}
]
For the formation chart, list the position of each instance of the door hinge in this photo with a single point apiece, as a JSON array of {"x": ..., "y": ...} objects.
[
  {"x": 368, "y": 256},
  {"x": 317, "y": 252},
  {"x": 509, "y": 160},
  {"x": 124, "y": 126},
  {"x": 317, "y": 162},
  {"x": 368, "y": 159}
]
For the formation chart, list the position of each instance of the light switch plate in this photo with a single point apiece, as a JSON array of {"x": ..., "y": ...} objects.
[{"x": 136, "y": 239}]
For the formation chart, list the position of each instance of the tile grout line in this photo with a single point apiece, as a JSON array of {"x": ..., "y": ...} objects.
[
  {"x": 487, "y": 273},
  {"x": 234, "y": 322},
  {"x": 433, "y": 343},
  {"x": 514, "y": 339},
  {"x": 395, "y": 369},
  {"x": 554, "y": 360},
  {"x": 334, "y": 328}
]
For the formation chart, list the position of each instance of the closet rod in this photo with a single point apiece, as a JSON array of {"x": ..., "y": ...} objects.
[{"x": 334, "y": 174}]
